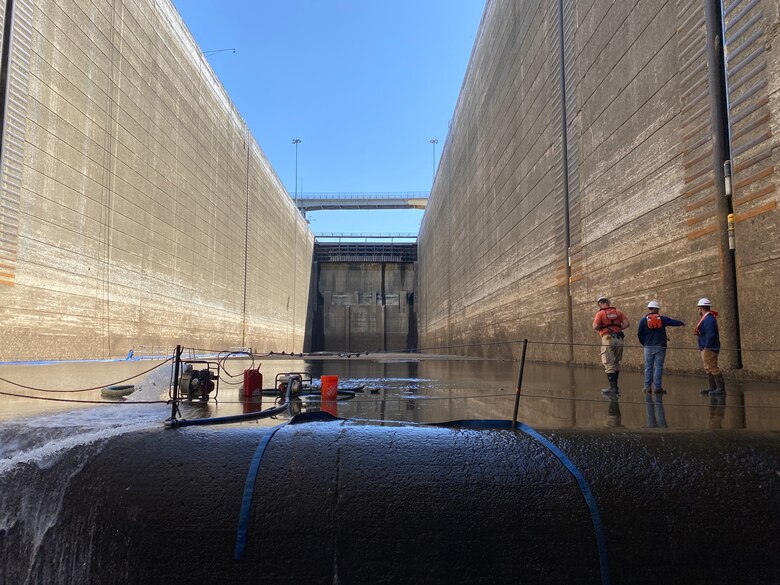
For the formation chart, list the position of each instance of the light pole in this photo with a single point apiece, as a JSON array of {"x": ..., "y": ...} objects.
[
  {"x": 296, "y": 142},
  {"x": 434, "y": 142},
  {"x": 215, "y": 51}
]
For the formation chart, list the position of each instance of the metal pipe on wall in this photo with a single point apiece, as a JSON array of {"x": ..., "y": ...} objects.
[
  {"x": 565, "y": 186},
  {"x": 721, "y": 149}
]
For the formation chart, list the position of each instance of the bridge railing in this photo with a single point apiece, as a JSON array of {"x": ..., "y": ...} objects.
[
  {"x": 357, "y": 195},
  {"x": 365, "y": 236}
]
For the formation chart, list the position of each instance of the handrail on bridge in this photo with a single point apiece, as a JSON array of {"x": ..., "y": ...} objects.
[
  {"x": 367, "y": 236},
  {"x": 362, "y": 195}
]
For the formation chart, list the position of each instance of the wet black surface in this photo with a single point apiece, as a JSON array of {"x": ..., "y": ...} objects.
[{"x": 349, "y": 503}]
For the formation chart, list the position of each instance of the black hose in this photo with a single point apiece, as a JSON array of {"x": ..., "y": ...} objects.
[
  {"x": 221, "y": 359},
  {"x": 315, "y": 397},
  {"x": 223, "y": 420}
]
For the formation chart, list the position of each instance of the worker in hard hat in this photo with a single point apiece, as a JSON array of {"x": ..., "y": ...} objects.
[
  {"x": 610, "y": 322},
  {"x": 652, "y": 335},
  {"x": 709, "y": 344}
]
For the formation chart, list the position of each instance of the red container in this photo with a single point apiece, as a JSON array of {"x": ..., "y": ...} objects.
[
  {"x": 253, "y": 382},
  {"x": 330, "y": 387},
  {"x": 330, "y": 393}
]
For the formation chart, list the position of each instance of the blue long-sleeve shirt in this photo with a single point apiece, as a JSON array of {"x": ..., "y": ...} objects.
[
  {"x": 656, "y": 337},
  {"x": 708, "y": 333}
]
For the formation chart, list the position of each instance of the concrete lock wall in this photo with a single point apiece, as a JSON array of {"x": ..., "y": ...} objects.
[
  {"x": 560, "y": 183},
  {"x": 364, "y": 306},
  {"x": 137, "y": 208}
]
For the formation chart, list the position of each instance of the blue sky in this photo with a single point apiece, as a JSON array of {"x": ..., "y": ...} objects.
[{"x": 364, "y": 84}]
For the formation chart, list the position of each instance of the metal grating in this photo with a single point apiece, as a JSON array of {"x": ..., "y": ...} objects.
[{"x": 376, "y": 252}]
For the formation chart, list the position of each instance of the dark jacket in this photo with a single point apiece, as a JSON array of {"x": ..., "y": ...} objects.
[
  {"x": 656, "y": 337},
  {"x": 708, "y": 333}
]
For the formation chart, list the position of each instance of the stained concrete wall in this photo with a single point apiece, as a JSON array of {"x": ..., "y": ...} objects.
[
  {"x": 365, "y": 306},
  {"x": 137, "y": 208},
  {"x": 582, "y": 137}
]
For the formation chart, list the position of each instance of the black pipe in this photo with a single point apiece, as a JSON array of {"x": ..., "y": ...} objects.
[
  {"x": 225, "y": 420},
  {"x": 175, "y": 397},
  {"x": 354, "y": 504},
  {"x": 246, "y": 239},
  {"x": 519, "y": 382},
  {"x": 721, "y": 149},
  {"x": 565, "y": 185},
  {"x": 5, "y": 67}
]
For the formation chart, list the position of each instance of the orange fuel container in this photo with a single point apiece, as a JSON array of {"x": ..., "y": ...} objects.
[
  {"x": 330, "y": 387},
  {"x": 330, "y": 393},
  {"x": 253, "y": 382}
]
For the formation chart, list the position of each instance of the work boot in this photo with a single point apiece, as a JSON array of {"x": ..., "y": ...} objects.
[
  {"x": 712, "y": 387},
  {"x": 647, "y": 390},
  {"x": 660, "y": 391},
  {"x": 720, "y": 386},
  {"x": 613, "y": 388}
]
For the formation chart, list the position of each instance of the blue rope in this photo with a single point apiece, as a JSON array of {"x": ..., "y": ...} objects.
[
  {"x": 601, "y": 541},
  {"x": 590, "y": 501},
  {"x": 254, "y": 468},
  {"x": 598, "y": 527},
  {"x": 249, "y": 487}
]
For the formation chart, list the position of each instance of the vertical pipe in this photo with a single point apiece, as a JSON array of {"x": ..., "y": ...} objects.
[
  {"x": 246, "y": 239},
  {"x": 519, "y": 383},
  {"x": 565, "y": 186},
  {"x": 384, "y": 310},
  {"x": 176, "y": 364},
  {"x": 348, "y": 327},
  {"x": 5, "y": 67},
  {"x": 721, "y": 153},
  {"x": 448, "y": 217}
]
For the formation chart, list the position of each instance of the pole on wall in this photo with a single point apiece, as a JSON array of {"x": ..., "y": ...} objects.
[
  {"x": 569, "y": 318},
  {"x": 721, "y": 149},
  {"x": 176, "y": 367},
  {"x": 519, "y": 384}
]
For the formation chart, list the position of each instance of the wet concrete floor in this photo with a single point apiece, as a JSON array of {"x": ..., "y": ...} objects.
[{"x": 404, "y": 387}]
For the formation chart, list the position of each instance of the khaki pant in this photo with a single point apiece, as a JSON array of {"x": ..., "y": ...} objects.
[
  {"x": 611, "y": 353},
  {"x": 710, "y": 360}
]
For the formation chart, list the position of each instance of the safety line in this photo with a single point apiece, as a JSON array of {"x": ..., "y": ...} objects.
[
  {"x": 249, "y": 487},
  {"x": 73, "y": 361},
  {"x": 74, "y": 401},
  {"x": 53, "y": 391},
  {"x": 540, "y": 342}
]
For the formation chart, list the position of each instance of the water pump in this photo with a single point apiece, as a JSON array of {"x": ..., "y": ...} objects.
[{"x": 197, "y": 383}]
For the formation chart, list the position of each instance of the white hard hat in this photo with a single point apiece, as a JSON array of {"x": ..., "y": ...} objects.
[
  {"x": 602, "y": 298},
  {"x": 653, "y": 305},
  {"x": 704, "y": 302}
]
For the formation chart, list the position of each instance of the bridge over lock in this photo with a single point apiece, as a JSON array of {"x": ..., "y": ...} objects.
[{"x": 361, "y": 200}]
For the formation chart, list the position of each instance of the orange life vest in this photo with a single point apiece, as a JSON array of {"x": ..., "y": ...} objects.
[
  {"x": 703, "y": 317},
  {"x": 613, "y": 320},
  {"x": 654, "y": 321}
]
